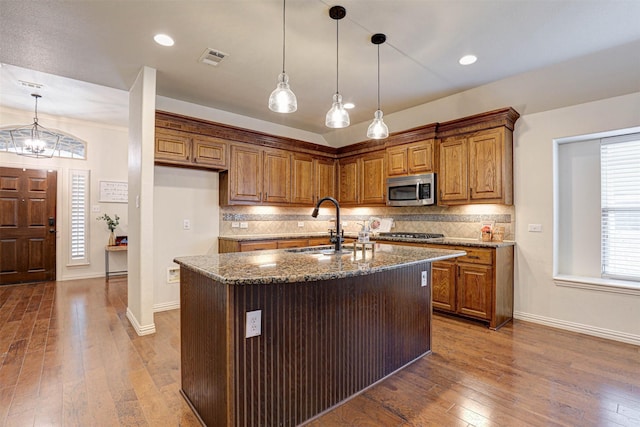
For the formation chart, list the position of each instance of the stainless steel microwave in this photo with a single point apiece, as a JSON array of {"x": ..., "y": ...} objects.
[{"x": 413, "y": 190}]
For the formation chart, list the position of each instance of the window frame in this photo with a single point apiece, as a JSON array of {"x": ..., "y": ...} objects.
[{"x": 72, "y": 258}]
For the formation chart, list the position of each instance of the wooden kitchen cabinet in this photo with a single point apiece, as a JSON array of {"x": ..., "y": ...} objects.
[
  {"x": 173, "y": 147},
  {"x": 226, "y": 245},
  {"x": 362, "y": 180},
  {"x": 476, "y": 168},
  {"x": 311, "y": 179},
  {"x": 373, "y": 179},
  {"x": 478, "y": 285},
  {"x": 209, "y": 151},
  {"x": 256, "y": 175},
  {"x": 411, "y": 159},
  {"x": 277, "y": 177}
]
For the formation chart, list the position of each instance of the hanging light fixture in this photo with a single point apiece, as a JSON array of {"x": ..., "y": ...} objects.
[
  {"x": 337, "y": 116},
  {"x": 34, "y": 140},
  {"x": 377, "y": 129},
  {"x": 282, "y": 99}
]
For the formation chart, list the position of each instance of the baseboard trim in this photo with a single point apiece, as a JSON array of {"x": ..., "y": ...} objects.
[
  {"x": 166, "y": 306},
  {"x": 579, "y": 327},
  {"x": 140, "y": 330}
]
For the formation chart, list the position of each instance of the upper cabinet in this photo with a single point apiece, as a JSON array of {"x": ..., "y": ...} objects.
[
  {"x": 270, "y": 176},
  {"x": 477, "y": 166},
  {"x": 474, "y": 169},
  {"x": 178, "y": 148},
  {"x": 362, "y": 179},
  {"x": 472, "y": 157},
  {"x": 256, "y": 176},
  {"x": 411, "y": 159}
]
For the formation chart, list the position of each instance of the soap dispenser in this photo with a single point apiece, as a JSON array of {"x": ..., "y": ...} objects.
[{"x": 363, "y": 234}]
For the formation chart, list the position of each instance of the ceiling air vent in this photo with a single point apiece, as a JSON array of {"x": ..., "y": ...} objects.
[
  {"x": 212, "y": 57},
  {"x": 29, "y": 85}
]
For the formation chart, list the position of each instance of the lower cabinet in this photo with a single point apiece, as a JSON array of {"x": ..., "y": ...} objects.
[{"x": 478, "y": 285}]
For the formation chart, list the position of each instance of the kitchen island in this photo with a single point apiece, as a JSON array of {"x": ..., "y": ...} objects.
[{"x": 330, "y": 325}]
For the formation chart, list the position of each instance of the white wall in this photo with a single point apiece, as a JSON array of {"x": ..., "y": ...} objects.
[
  {"x": 182, "y": 194},
  {"x": 107, "y": 161},
  {"x": 537, "y": 297}
]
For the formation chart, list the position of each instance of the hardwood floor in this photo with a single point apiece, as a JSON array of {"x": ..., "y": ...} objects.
[{"x": 68, "y": 356}]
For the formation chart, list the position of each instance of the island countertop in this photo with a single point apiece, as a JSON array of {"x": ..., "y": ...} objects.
[{"x": 300, "y": 265}]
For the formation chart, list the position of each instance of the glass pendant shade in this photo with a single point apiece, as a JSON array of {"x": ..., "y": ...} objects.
[
  {"x": 337, "y": 116},
  {"x": 377, "y": 129},
  {"x": 34, "y": 140},
  {"x": 282, "y": 99}
]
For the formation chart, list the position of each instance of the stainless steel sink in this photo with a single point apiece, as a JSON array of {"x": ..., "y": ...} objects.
[{"x": 321, "y": 250}]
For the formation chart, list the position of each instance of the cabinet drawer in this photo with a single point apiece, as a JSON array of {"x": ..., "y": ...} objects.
[
  {"x": 476, "y": 255},
  {"x": 293, "y": 243},
  {"x": 258, "y": 246}
]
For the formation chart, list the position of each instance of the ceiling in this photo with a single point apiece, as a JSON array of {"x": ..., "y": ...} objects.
[{"x": 80, "y": 51}]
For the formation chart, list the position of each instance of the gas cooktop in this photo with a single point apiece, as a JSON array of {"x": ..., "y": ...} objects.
[{"x": 411, "y": 235}]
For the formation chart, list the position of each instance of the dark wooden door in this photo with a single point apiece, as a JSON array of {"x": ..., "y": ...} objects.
[{"x": 27, "y": 225}]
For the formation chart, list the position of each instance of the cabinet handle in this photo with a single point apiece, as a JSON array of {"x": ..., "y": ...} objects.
[
  {"x": 473, "y": 257},
  {"x": 458, "y": 267}
]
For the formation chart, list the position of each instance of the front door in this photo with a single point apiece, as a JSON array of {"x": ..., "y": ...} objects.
[{"x": 27, "y": 225}]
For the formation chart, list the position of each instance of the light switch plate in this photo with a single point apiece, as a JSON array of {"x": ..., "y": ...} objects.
[{"x": 244, "y": 225}]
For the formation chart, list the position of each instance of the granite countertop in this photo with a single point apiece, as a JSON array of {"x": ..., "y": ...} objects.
[
  {"x": 302, "y": 265},
  {"x": 457, "y": 241}
]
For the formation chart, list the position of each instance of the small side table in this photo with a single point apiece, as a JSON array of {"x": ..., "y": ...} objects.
[{"x": 107, "y": 250}]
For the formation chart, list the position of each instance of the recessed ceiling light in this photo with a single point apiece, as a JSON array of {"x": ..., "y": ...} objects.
[
  {"x": 468, "y": 60},
  {"x": 349, "y": 105},
  {"x": 163, "y": 39}
]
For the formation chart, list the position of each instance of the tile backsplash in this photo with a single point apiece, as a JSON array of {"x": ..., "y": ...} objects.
[{"x": 455, "y": 221}]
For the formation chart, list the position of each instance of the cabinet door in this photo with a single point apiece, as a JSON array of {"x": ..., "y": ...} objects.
[
  {"x": 452, "y": 179},
  {"x": 302, "y": 179},
  {"x": 325, "y": 178},
  {"x": 172, "y": 146},
  {"x": 245, "y": 174},
  {"x": 485, "y": 165},
  {"x": 348, "y": 180},
  {"x": 397, "y": 161},
  {"x": 277, "y": 176},
  {"x": 372, "y": 179},
  {"x": 474, "y": 288},
  {"x": 443, "y": 285},
  {"x": 209, "y": 151},
  {"x": 420, "y": 157}
]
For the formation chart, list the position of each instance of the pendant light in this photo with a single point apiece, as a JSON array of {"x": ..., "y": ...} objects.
[
  {"x": 34, "y": 140},
  {"x": 282, "y": 99},
  {"x": 377, "y": 129},
  {"x": 337, "y": 116}
]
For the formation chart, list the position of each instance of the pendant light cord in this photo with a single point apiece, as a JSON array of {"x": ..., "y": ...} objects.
[
  {"x": 378, "y": 77},
  {"x": 337, "y": 56},
  {"x": 284, "y": 38}
]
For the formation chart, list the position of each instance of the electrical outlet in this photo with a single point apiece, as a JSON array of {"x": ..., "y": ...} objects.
[
  {"x": 244, "y": 225},
  {"x": 173, "y": 275},
  {"x": 235, "y": 224},
  {"x": 95, "y": 208},
  {"x": 186, "y": 224},
  {"x": 300, "y": 224},
  {"x": 253, "y": 326},
  {"x": 424, "y": 278},
  {"x": 535, "y": 228}
]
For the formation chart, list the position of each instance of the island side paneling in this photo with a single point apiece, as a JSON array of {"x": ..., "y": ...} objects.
[{"x": 321, "y": 342}]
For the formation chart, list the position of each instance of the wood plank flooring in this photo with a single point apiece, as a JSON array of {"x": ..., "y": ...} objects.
[{"x": 69, "y": 357}]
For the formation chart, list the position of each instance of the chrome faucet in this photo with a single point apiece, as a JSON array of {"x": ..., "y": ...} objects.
[{"x": 314, "y": 214}]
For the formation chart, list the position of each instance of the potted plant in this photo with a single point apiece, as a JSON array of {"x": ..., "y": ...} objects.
[{"x": 111, "y": 224}]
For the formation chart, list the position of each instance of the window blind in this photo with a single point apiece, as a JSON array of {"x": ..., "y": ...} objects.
[
  {"x": 620, "y": 204},
  {"x": 79, "y": 191}
]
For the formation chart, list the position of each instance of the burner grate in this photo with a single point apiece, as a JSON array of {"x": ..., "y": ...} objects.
[{"x": 410, "y": 235}]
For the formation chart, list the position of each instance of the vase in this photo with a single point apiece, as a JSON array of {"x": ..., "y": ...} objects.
[{"x": 112, "y": 239}]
